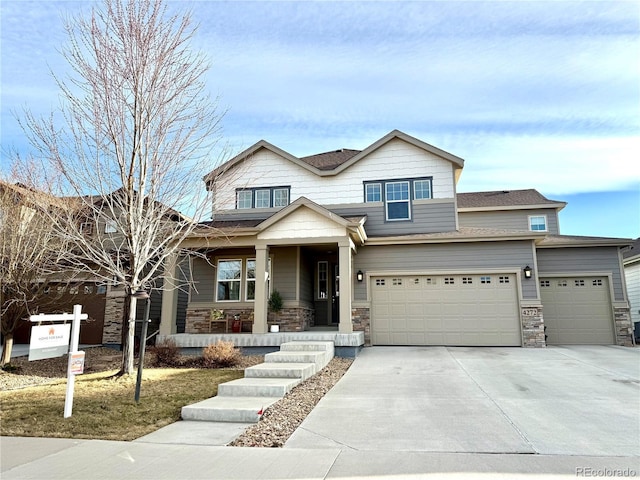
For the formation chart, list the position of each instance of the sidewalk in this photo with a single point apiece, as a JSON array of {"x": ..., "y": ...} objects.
[{"x": 41, "y": 458}]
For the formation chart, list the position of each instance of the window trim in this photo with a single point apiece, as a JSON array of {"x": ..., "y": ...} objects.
[
  {"x": 387, "y": 202},
  {"x": 244, "y": 192},
  {"x": 325, "y": 264},
  {"x": 366, "y": 193},
  {"x": 247, "y": 279},
  {"x": 412, "y": 194},
  {"x": 218, "y": 280},
  {"x": 546, "y": 223},
  {"x": 254, "y": 191}
]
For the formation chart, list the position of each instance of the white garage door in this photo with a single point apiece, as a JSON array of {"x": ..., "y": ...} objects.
[
  {"x": 577, "y": 310},
  {"x": 445, "y": 310}
]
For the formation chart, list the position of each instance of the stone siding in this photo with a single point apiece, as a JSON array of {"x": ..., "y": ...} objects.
[
  {"x": 623, "y": 326},
  {"x": 533, "y": 327},
  {"x": 361, "y": 319},
  {"x": 113, "y": 314},
  {"x": 289, "y": 319}
]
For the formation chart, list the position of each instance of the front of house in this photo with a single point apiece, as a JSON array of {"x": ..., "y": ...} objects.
[{"x": 379, "y": 243}]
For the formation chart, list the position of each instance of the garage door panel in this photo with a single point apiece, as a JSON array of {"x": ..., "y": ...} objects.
[
  {"x": 446, "y": 310},
  {"x": 577, "y": 310}
]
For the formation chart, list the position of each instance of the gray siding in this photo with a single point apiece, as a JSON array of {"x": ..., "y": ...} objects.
[
  {"x": 453, "y": 256},
  {"x": 579, "y": 259},
  {"x": 283, "y": 270},
  {"x": 204, "y": 279},
  {"x": 306, "y": 278},
  {"x": 426, "y": 218},
  {"x": 508, "y": 219}
]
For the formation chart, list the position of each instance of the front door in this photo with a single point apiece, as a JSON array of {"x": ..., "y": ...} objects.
[{"x": 327, "y": 292}]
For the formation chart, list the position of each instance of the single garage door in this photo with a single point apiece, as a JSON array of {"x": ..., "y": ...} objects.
[
  {"x": 469, "y": 310},
  {"x": 577, "y": 310}
]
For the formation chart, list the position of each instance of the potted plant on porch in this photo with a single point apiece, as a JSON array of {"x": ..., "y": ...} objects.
[{"x": 275, "y": 306}]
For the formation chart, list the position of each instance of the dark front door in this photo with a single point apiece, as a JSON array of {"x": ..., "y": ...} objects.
[{"x": 326, "y": 291}]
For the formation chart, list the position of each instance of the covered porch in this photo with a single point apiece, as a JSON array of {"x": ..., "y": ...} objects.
[{"x": 303, "y": 252}]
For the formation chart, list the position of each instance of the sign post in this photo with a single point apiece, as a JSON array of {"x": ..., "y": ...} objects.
[{"x": 74, "y": 357}]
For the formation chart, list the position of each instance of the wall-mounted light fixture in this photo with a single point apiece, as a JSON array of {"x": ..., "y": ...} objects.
[
  {"x": 527, "y": 271},
  {"x": 360, "y": 276}
]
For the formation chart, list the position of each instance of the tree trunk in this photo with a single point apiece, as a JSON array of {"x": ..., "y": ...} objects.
[
  {"x": 128, "y": 346},
  {"x": 7, "y": 347}
]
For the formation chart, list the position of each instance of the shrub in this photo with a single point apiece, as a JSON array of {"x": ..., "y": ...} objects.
[
  {"x": 221, "y": 354},
  {"x": 275, "y": 301},
  {"x": 165, "y": 354}
]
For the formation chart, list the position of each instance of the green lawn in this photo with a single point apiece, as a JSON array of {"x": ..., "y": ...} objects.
[{"x": 104, "y": 407}]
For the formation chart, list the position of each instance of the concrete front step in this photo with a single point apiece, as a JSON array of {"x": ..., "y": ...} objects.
[
  {"x": 319, "y": 358},
  {"x": 239, "y": 401},
  {"x": 228, "y": 409},
  {"x": 257, "y": 387},
  {"x": 281, "y": 370},
  {"x": 310, "y": 346}
]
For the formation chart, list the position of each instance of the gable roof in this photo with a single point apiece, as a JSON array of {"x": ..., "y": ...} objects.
[
  {"x": 330, "y": 160},
  {"x": 332, "y": 163},
  {"x": 505, "y": 199},
  {"x": 632, "y": 253}
]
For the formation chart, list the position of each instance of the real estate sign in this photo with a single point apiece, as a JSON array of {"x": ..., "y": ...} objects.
[{"x": 49, "y": 341}]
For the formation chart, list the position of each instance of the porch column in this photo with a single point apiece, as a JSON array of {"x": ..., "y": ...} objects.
[
  {"x": 169, "y": 297},
  {"x": 260, "y": 303},
  {"x": 346, "y": 283}
]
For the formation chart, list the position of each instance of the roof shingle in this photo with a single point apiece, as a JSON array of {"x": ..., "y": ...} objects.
[{"x": 503, "y": 198}]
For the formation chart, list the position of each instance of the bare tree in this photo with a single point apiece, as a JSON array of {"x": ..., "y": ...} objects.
[
  {"x": 131, "y": 143},
  {"x": 30, "y": 257}
]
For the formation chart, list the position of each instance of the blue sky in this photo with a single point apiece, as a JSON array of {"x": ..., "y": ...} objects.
[{"x": 541, "y": 95}]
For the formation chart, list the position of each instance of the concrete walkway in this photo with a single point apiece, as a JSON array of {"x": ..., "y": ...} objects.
[{"x": 403, "y": 413}]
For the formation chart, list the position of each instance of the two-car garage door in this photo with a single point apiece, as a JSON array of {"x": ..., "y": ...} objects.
[{"x": 474, "y": 309}]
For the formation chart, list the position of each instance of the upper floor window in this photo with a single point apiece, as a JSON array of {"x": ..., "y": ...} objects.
[
  {"x": 373, "y": 192},
  {"x": 398, "y": 195},
  {"x": 243, "y": 199},
  {"x": 421, "y": 189},
  {"x": 538, "y": 223},
  {"x": 280, "y": 197},
  {"x": 264, "y": 197},
  {"x": 86, "y": 228},
  {"x": 397, "y": 201}
]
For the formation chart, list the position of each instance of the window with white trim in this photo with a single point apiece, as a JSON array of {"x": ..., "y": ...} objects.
[
  {"x": 397, "y": 201},
  {"x": 538, "y": 223},
  {"x": 373, "y": 192},
  {"x": 421, "y": 189},
  {"x": 280, "y": 197},
  {"x": 243, "y": 199},
  {"x": 229, "y": 280},
  {"x": 323, "y": 279},
  {"x": 250, "y": 279},
  {"x": 262, "y": 198}
]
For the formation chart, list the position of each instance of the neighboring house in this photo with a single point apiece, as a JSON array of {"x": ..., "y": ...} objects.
[
  {"x": 379, "y": 241},
  {"x": 631, "y": 261}
]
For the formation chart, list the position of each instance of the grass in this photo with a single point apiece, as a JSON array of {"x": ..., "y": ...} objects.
[{"x": 104, "y": 407}]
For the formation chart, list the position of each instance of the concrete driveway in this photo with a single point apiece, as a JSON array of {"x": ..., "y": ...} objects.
[{"x": 578, "y": 400}]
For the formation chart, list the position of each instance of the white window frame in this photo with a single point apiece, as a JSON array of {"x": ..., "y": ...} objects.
[
  {"x": 224, "y": 280},
  {"x": 531, "y": 224},
  {"x": 426, "y": 181},
  {"x": 265, "y": 194},
  {"x": 248, "y": 280},
  {"x": 323, "y": 281},
  {"x": 394, "y": 201},
  {"x": 283, "y": 201},
  {"x": 242, "y": 202},
  {"x": 367, "y": 191}
]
